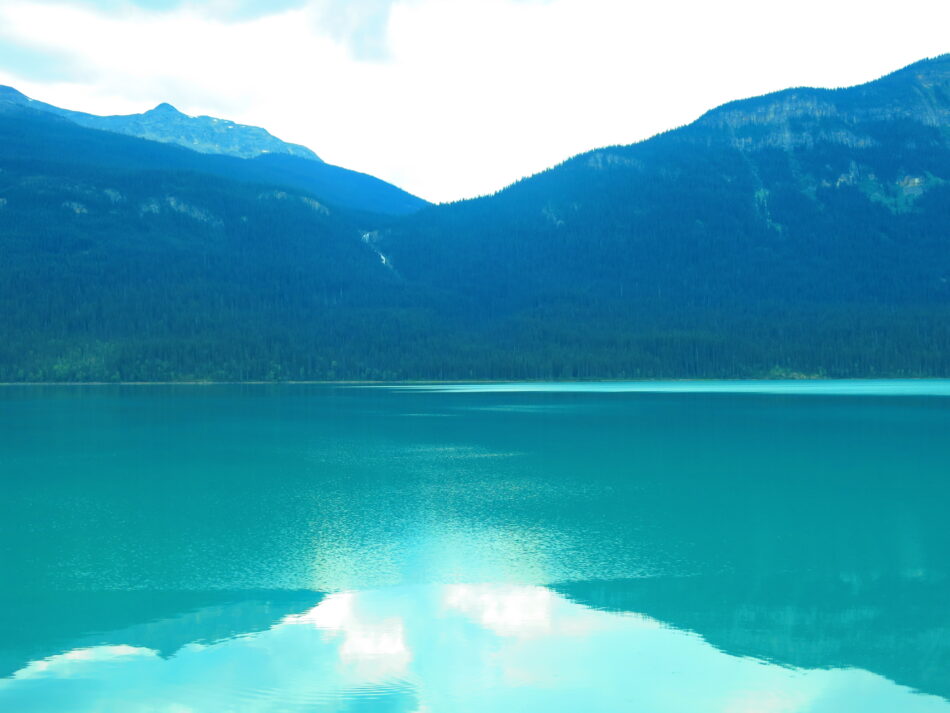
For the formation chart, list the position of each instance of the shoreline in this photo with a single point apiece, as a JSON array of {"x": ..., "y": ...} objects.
[{"x": 413, "y": 382}]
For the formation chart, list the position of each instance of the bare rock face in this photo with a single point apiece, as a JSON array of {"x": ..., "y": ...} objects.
[{"x": 204, "y": 134}]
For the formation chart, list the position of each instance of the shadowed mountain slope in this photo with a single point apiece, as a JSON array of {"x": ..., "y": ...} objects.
[
  {"x": 119, "y": 260},
  {"x": 805, "y": 232},
  {"x": 247, "y": 154}
]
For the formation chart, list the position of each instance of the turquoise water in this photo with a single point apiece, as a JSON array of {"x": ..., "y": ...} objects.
[{"x": 681, "y": 546}]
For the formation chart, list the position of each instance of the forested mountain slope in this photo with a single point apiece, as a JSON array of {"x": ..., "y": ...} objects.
[
  {"x": 803, "y": 231},
  {"x": 806, "y": 232},
  {"x": 120, "y": 261},
  {"x": 249, "y": 157}
]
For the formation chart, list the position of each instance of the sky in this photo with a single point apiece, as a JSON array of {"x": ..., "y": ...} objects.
[{"x": 452, "y": 98}]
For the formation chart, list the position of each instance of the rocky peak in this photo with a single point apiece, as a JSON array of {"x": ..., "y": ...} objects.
[
  {"x": 165, "y": 108},
  {"x": 166, "y": 124}
]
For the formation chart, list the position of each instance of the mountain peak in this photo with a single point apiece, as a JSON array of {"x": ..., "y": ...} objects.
[
  {"x": 9, "y": 95},
  {"x": 165, "y": 108},
  {"x": 166, "y": 124},
  {"x": 6, "y": 91}
]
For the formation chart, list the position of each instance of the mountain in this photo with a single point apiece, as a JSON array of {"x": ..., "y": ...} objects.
[
  {"x": 121, "y": 258},
  {"x": 291, "y": 166},
  {"x": 166, "y": 124},
  {"x": 806, "y": 231},
  {"x": 802, "y": 233}
]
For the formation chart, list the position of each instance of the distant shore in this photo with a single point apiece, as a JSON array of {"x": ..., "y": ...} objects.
[{"x": 422, "y": 382}]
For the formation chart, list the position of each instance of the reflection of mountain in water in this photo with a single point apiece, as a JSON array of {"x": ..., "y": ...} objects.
[
  {"x": 898, "y": 628},
  {"x": 465, "y": 648},
  {"x": 51, "y": 623}
]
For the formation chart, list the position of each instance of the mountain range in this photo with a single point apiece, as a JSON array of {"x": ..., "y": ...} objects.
[
  {"x": 216, "y": 147},
  {"x": 167, "y": 125},
  {"x": 801, "y": 233}
]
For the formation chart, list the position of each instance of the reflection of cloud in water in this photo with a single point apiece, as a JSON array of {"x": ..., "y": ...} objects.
[
  {"x": 505, "y": 610},
  {"x": 75, "y": 663},
  {"x": 371, "y": 648},
  {"x": 454, "y": 648}
]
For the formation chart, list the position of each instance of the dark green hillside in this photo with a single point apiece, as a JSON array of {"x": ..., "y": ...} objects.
[
  {"x": 111, "y": 271},
  {"x": 41, "y": 133},
  {"x": 805, "y": 232}
]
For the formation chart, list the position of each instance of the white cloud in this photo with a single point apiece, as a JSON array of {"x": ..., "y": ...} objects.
[{"x": 452, "y": 98}]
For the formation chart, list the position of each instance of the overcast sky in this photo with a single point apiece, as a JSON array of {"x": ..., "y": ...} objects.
[{"x": 452, "y": 98}]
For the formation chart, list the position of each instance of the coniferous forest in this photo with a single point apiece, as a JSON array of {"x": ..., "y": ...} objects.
[{"x": 803, "y": 233}]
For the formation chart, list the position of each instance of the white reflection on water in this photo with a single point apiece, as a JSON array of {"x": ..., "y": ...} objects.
[
  {"x": 453, "y": 648},
  {"x": 371, "y": 648},
  {"x": 74, "y": 663}
]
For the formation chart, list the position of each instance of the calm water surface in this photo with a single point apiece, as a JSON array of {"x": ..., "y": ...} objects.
[{"x": 733, "y": 547}]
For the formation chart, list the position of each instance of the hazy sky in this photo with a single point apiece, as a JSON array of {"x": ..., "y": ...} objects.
[{"x": 452, "y": 98}]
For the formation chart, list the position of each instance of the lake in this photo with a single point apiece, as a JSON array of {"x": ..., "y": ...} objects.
[{"x": 733, "y": 547}]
